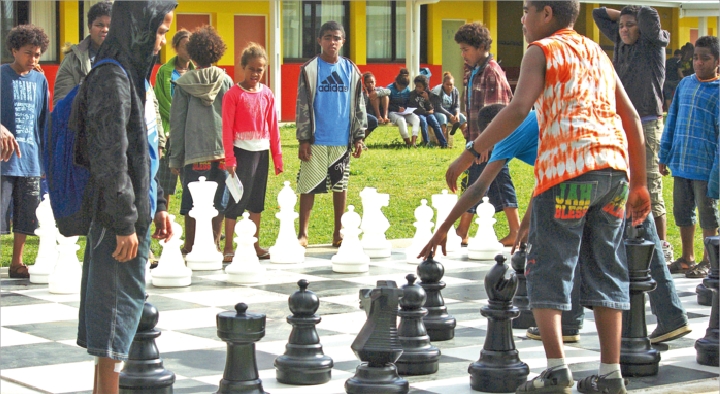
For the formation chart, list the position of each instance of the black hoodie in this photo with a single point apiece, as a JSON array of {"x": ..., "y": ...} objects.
[{"x": 109, "y": 112}]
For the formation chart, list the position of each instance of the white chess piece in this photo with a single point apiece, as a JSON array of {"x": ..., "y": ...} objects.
[
  {"x": 66, "y": 277},
  {"x": 485, "y": 245},
  {"x": 47, "y": 250},
  {"x": 287, "y": 249},
  {"x": 245, "y": 266},
  {"x": 204, "y": 255},
  {"x": 171, "y": 270},
  {"x": 374, "y": 223},
  {"x": 350, "y": 257},
  {"x": 444, "y": 203},
  {"x": 423, "y": 232}
]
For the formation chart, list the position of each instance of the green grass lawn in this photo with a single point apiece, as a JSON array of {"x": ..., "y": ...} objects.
[{"x": 408, "y": 175}]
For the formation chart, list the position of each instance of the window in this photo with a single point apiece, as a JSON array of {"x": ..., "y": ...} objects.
[
  {"x": 387, "y": 30},
  {"x": 40, "y": 13},
  {"x": 301, "y": 22}
]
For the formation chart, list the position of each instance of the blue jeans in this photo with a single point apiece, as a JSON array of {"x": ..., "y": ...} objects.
[
  {"x": 501, "y": 191},
  {"x": 443, "y": 119},
  {"x": 430, "y": 120},
  {"x": 664, "y": 301},
  {"x": 579, "y": 223},
  {"x": 372, "y": 122},
  {"x": 112, "y": 294},
  {"x": 423, "y": 128}
]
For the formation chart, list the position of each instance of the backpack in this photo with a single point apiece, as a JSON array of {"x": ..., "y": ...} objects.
[{"x": 70, "y": 197}]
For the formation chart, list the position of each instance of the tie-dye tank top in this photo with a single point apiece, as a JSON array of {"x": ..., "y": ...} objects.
[{"x": 579, "y": 128}]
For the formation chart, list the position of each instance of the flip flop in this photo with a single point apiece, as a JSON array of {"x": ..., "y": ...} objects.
[
  {"x": 337, "y": 243},
  {"x": 228, "y": 257},
  {"x": 264, "y": 256},
  {"x": 19, "y": 272}
]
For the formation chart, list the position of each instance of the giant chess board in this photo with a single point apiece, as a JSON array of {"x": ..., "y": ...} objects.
[{"x": 38, "y": 330}]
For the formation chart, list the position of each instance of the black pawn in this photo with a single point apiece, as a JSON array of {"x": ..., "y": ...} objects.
[
  {"x": 439, "y": 324},
  {"x": 303, "y": 361},
  {"x": 240, "y": 330},
  {"x": 419, "y": 356},
  {"x": 521, "y": 300},
  {"x": 378, "y": 347},
  {"x": 637, "y": 357},
  {"x": 144, "y": 371},
  {"x": 707, "y": 347},
  {"x": 499, "y": 369}
]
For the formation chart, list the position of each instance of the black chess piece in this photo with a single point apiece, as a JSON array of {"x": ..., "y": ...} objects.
[
  {"x": 521, "y": 301},
  {"x": 303, "y": 361},
  {"x": 707, "y": 347},
  {"x": 419, "y": 356},
  {"x": 378, "y": 347},
  {"x": 704, "y": 295},
  {"x": 439, "y": 324},
  {"x": 637, "y": 357},
  {"x": 240, "y": 330},
  {"x": 143, "y": 371},
  {"x": 499, "y": 369}
]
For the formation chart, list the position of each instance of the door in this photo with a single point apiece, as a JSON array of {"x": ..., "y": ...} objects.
[
  {"x": 249, "y": 28},
  {"x": 451, "y": 59}
]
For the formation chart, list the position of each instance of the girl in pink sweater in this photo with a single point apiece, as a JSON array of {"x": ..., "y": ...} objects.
[{"x": 250, "y": 135}]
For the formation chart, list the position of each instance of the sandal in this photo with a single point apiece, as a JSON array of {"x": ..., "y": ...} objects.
[
  {"x": 680, "y": 266},
  {"x": 337, "y": 243},
  {"x": 264, "y": 256},
  {"x": 228, "y": 257},
  {"x": 19, "y": 272},
  {"x": 699, "y": 271}
]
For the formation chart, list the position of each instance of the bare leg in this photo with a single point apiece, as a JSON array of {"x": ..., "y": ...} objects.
[
  {"x": 463, "y": 227},
  {"x": 306, "y": 204},
  {"x": 189, "y": 233},
  {"x": 687, "y": 235},
  {"x": 548, "y": 321},
  {"x": 513, "y": 219},
  {"x": 385, "y": 104},
  {"x": 609, "y": 326},
  {"x": 708, "y": 233},
  {"x": 255, "y": 217},
  {"x": 217, "y": 223},
  {"x": 661, "y": 226},
  {"x": 18, "y": 249},
  {"x": 167, "y": 197},
  {"x": 413, "y": 141},
  {"x": 107, "y": 381},
  {"x": 339, "y": 200},
  {"x": 229, "y": 235}
]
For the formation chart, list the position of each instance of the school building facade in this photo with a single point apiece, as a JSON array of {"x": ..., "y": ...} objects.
[{"x": 382, "y": 36}]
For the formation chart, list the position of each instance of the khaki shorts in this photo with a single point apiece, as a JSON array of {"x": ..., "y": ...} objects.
[{"x": 653, "y": 132}]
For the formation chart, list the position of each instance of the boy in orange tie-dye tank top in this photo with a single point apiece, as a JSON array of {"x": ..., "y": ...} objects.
[{"x": 588, "y": 128}]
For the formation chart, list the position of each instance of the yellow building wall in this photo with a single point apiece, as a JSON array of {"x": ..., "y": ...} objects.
[
  {"x": 469, "y": 11},
  {"x": 222, "y": 17},
  {"x": 69, "y": 23},
  {"x": 358, "y": 32}
]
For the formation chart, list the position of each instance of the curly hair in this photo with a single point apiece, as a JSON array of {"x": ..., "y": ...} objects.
[
  {"x": 421, "y": 79},
  {"x": 23, "y": 35},
  {"x": 487, "y": 114},
  {"x": 252, "y": 51},
  {"x": 206, "y": 46},
  {"x": 179, "y": 36},
  {"x": 366, "y": 75},
  {"x": 710, "y": 42},
  {"x": 474, "y": 34},
  {"x": 633, "y": 10},
  {"x": 103, "y": 8},
  {"x": 564, "y": 11}
]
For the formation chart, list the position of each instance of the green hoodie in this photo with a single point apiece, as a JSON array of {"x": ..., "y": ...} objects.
[{"x": 163, "y": 90}]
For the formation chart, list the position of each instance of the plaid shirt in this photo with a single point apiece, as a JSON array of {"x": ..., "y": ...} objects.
[{"x": 490, "y": 86}]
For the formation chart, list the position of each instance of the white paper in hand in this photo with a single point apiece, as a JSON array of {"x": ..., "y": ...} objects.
[{"x": 235, "y": 187}]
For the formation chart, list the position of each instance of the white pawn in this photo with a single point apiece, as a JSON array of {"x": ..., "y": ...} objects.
[
  {"x": 204, "y": 255},
  {"x": 245, "y": 266},
  {"x": 374, "y": 223},
  {"x": 485, "y": 245},
  {"x": 47, "y": 250},
  {"x": 66, "y": 277},
  {"x": 287, "y": 249},
  {"x": 171, "y": 270},
  {"x": 423, "y": 232},
  {"x": 444, "y": 203},
  {"x": 350, "y": 257}
]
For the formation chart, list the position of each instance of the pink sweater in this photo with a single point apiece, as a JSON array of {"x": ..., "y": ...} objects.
[{"x": 250, "y": 116}]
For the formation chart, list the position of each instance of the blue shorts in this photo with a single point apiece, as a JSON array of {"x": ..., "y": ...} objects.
[
  {"x": 579, "y": 223},
  {"x": 501, "y": 191},
  {"x": 112, "y": 294},
  {"x": 212, "y": 171},
  {"x": 689, "y": 194}
]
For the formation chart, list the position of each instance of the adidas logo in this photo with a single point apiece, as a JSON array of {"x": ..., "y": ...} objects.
[{"x": 333, "y": 83}]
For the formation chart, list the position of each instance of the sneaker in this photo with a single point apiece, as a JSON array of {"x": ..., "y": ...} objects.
[
  {"x": 568, "y": 335},
  {"x": 658, "y": 335},
  {"x": 551, "y": 380},
  {"x": 667, "y": 251},
  {"x": 601, "y": 384}
]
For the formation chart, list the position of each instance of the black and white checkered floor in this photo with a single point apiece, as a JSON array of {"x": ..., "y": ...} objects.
[{"x": 38, "y": 330}]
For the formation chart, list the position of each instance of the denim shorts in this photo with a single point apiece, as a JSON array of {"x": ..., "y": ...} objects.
[
  {"x": 501, "y": 191},
  {"x": 19, "y": 199},
  {"x": 112, "y": 294},
  {"x": 579, "y": 223},
  {"x": 212, "y": 171},
  {"x": 689, "y": 194}
]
